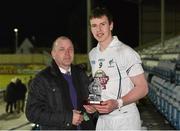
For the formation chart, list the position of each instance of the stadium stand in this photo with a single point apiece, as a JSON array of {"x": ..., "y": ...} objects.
[{"x": 162, "y": 66}]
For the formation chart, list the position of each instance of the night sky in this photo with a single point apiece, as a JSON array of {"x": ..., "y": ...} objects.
[{"x": 44, "y": 20}]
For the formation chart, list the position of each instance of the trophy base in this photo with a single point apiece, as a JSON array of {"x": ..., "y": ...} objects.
[{"x": 93, "y": 102}]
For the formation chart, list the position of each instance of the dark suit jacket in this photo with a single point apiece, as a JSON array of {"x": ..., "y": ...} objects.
[{"x": 49, "y": 103}]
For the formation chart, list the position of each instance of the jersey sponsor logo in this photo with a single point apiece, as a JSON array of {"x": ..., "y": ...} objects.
[
  {"x": 101, "y": 76},
  {"x": 102, "y": 60}
]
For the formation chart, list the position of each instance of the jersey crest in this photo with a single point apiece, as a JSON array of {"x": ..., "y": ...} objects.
[{"x": 101, "y": 76}]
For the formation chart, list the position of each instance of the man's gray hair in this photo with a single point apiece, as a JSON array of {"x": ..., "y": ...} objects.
[{"x": 60, "y": 38}]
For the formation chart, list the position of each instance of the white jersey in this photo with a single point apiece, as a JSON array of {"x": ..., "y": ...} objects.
[{"x": 113, "y": 68}]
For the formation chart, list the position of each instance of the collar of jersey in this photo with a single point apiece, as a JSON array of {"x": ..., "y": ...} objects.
[{"x": 115, "y": 42}]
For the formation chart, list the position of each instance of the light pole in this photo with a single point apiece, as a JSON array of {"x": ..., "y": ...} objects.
[
  {"x": 16, "y": 39},
  {"x": 89, "y": 44},
  {"x": 162, "y": 22}
]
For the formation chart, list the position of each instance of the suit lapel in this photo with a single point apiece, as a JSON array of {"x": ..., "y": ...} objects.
[{"x": 63, "y": 86}]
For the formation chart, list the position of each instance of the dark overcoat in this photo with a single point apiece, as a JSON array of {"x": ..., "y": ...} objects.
[{"x": 49, "y": 103}]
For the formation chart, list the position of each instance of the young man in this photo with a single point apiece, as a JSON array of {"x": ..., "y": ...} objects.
[
  {"x": 118, "y": 68},
  {"x": 56, "y": 95}
]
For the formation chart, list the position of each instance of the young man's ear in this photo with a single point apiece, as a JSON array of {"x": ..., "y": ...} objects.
[{"x": 111, "y": 26}]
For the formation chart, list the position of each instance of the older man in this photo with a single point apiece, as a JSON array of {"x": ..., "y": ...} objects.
[{"x": 57, "y": 93}]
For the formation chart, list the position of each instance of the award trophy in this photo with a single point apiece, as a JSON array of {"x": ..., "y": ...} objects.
[{"x": 95, "y": 90}]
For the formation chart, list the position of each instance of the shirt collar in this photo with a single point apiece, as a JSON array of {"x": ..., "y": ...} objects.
[
  {"x": 65, "y": 71},
  {"x": 114, "y": 42}
]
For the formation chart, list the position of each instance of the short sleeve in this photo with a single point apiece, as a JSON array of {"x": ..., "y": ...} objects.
[
  {"x": 134, "y": 64},
  {"x": 136, "y": 69}
]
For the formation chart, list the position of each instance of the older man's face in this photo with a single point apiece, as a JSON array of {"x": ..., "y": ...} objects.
[{"x": 63, "y": 53}]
